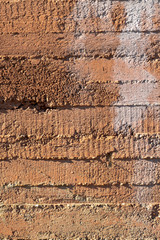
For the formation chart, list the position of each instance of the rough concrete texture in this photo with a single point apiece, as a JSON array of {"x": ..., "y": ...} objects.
[{"x": 80, "y": 119}]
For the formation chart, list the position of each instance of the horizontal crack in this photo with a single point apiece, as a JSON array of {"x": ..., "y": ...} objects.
[
  {"x": 43, "y": 106},
  {"x": 150, "y": 159},
  {"x": 79, "y": 33},
  {"x": 99, "y": 158},
  {"x": 86, "y": 185}
]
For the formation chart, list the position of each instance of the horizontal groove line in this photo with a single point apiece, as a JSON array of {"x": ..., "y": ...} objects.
[
  {"x": 86, "y": 106},
  {"x": 138, "y": 159},
  {"x": 71, "y": 186},
  {"x": 45, "y": 108},
  {"x": 79, "y": 32},
  {"x": 20, "y": 138},
  {"x": 63, "y": 160},
  {"x": 82, "y": 56},
  {"x": 82, "y": 204}
]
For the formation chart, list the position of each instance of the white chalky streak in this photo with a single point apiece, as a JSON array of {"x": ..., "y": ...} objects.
[{"x": 136, "y": 94}]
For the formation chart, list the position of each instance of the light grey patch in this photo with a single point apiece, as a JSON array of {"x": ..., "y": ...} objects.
[
  {"x": 103, "y": 9},
  {"x": 144, "y": 194},
  {"x": 135, "y": 13},
  {"x": 86, "y": 8},
  {"x": 133, "y": 20},
  {"x": 133, "y": 94},
  {"x": 144, "y": 172},
  {"x": 136, "y": 93},
  {"x": 81, "y": 10},
  {"x": 126, "y": 118},
  {"x": 132, "y": 47}
]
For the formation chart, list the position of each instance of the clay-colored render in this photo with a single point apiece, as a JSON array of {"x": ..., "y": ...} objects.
[{"x": 80, "y": 119}]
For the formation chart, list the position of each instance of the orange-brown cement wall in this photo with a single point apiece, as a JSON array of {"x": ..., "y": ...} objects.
[{"x": 80, "y": 119}]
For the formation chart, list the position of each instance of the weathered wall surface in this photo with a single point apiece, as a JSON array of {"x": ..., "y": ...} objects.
[{"x": 80, "y": 119}]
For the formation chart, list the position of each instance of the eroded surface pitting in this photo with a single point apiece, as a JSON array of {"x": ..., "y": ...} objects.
[
  {"x": 108, "y": 220},
  {"x": 47, "y": 83}
]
